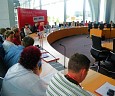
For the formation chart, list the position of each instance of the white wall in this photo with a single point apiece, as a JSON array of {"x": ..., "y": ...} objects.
[
  {"x": 112, "y": 15},
  {"x": 7, "y": 18}
]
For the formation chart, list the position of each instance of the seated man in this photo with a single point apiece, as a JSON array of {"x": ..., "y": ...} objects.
[
  {"x": 69, "y": 84},
  {"x": 9, "y": 35},
  {"x": 35, "y": 27},
  {"x": 22, "y": 79},
  {"x": 2, "y": 31},
  {"x": 13, "y": 54}
]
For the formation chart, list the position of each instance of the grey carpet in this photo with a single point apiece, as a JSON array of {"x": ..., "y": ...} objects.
[{"x": 80, "y": 44}]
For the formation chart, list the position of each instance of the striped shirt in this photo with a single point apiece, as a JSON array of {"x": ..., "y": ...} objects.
[{"x": 60, "y": 86}]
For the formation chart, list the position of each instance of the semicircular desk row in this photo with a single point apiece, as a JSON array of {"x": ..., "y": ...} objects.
[{"x": 93, "y": 80}]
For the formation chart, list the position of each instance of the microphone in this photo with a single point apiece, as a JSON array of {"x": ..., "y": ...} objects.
[
  {"x": 62, "y": 45},
  {"x": 64, "y": 53}
]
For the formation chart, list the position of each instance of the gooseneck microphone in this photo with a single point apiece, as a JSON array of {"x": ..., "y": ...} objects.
[{"x": 64, "y": 53}]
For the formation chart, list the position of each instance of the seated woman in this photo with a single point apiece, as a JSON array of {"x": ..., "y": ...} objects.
[
  {"x": 22, "y": 79},
  {"x": 27, "y": 30},
  {"x": 17, "y": 38}
]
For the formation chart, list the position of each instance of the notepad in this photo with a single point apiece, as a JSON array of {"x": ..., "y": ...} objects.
[{"x": 104, "y": 88}]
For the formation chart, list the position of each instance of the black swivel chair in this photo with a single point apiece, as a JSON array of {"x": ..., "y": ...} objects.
[
  {"x": 1, "y": 80},
  {"x": 96, "y": 26},
  {"x": 89, "y": 27},
  {"x": 97, "y": 51},
  {"x": 109, "y": 64}
]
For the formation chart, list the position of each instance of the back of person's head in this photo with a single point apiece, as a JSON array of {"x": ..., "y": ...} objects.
[
  {"x": 36, "y": 24},
  {"x": 2, "y": 31},
  {"x": 15, "y": 30},
  {"x": 8, "y": 28},
  {"x": 22, "y": 29},
  {"x": 8, "y": 33},
  {"x": 78, "y": 62},
  {"x": 30, "y": 57},
  {"x": 27, "y": 41}
]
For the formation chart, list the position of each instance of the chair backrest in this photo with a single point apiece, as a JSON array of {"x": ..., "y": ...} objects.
[
  {"x": 1, "y": 80},
  {"x": 96, "y": 42},
  {"x": 114, "y": 45},
  {"x": 95, "y": 25},
  {"x": 90, "y": 26},
  {"x": 113, "y": 25},
  {"x": 101, "y": 26},
  {"x": 108, "y": 25}
]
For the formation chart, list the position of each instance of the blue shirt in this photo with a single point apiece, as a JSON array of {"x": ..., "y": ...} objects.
[{"x": 12, "y": 55}]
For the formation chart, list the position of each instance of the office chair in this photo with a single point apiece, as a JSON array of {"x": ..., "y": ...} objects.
[
  {"x": 89, "y": 27},
  {"x": 98, "y": 52},
  {"x": 96, "y": 26},
  {"x": 109, "y": 64},
  {"x": 108, "y": 25},
  {"x": 113, "y": 25},
  {"x": 1, "y": 80}
]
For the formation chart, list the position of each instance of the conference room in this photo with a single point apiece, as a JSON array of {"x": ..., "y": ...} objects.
[{"x": 68, "y": 27}]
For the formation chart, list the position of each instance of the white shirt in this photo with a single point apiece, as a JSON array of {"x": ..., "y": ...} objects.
[
  {"x": 22, "y": 82},
  {"x": 27, "y": 31}
]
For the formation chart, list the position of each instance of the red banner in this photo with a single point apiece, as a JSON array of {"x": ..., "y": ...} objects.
[{"x": 30, "y": 16}]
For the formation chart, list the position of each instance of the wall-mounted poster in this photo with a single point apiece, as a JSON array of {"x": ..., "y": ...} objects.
[{"x": 31, "y": 16}]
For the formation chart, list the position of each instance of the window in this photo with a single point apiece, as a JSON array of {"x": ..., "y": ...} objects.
[
  {"x": 55, "y": 10},
  {"x": 102, "y": 11},
  {"x": 87, "y": 11},
  {"x": 74, "y": 10}
]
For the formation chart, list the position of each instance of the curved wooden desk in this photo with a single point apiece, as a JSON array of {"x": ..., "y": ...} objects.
[
  {"x": 65, "y": 33},
  {"x": 93, "y": 80}
]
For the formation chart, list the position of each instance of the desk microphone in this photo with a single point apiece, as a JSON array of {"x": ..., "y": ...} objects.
[
  {"x": 64, "y": 53},
  {"x": 110, "y": 34}
]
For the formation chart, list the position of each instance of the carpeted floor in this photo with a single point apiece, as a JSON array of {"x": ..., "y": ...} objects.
[
  {"x": 73, "y": 44},
  {"x": 80, "y": 44}
]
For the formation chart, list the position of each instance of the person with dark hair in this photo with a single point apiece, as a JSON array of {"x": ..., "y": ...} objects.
[
  {"x": 27, "y": 30},
  {"x": 8, "y": 28},
  {"x": 17, "y": 38},
  {"x": 35, "y": 28},
  {"x": 2, "y": 31},
  {"x": 9, "y": 35},
  {"x": 69, "y": 84},
  {"x": 13, "y": 54},
  {"x": 22, "y": 79}
]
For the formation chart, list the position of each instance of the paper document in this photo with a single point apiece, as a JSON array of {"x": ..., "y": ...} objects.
[
  {"x": 44, "y": 55},
  {"x": 104, "y": 88}
]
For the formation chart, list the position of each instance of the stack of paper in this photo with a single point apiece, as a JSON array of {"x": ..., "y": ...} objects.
[{"x": 104, "y": 88}]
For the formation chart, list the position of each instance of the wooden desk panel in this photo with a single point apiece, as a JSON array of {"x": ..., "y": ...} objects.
[
  {"x": 65, "y": 33},
  {"x": 105, "y": 32},
  {"x": 96, "y": 32}
]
